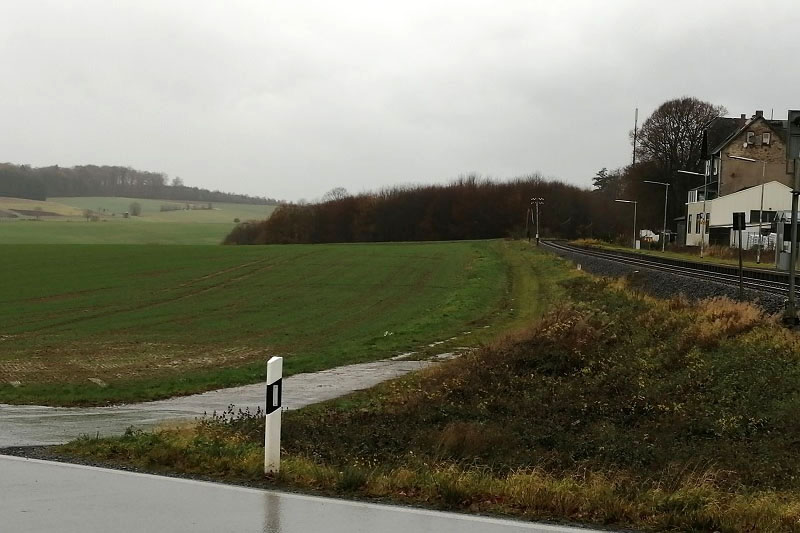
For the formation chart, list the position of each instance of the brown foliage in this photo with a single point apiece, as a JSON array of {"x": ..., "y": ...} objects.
[
  {"x": 719, "y": 318},
  {"x": 469, "y": 208}
]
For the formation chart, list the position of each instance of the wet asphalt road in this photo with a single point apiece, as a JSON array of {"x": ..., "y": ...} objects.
[
  {"x": 32, "y": 425},
  {"x": 43, "y": 496}
]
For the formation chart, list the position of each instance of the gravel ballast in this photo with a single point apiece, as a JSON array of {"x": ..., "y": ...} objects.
[{"x": 663, "y": 284}]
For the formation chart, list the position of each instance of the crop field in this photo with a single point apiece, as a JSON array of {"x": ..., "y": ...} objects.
[
  {"x": 84, "y": 324},
  {"x": 61, "y": 221},
  {"x": 152, "y": 209},
  {"x": 111, "y": 232},
  {"x": 12, "y": 208}
]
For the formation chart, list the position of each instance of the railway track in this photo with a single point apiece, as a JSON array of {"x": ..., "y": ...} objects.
[{"x": 762, "y": 280}]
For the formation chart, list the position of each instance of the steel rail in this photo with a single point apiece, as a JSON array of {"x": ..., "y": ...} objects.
[{"x": 754, "y": 279}]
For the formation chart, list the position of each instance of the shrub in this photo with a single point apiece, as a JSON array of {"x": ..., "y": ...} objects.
[{"x": 351, "y": 479}]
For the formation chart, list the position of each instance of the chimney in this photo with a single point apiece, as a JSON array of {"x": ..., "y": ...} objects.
[
  {"x": 743, "y": 117},
  {"x": 759, "y": 113}
]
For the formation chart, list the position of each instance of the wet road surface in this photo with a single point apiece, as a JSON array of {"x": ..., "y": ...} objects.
[
  {"x": 32, "y": 425},
  {"x": 45, "y": 496}
]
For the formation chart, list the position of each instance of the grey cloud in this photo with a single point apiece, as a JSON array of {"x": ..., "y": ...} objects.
[{"x": 290, "y": 99}]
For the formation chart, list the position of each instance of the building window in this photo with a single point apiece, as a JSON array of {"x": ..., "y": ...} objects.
[
  {"x": 751, "y": 137},
  {"x": 697, "y": 222},
  {"x": 766, "y": 216},
  {"x": 766, "y": 138},
  {"x": 708, "y": 221},
  {"x": 689, "y": 225},
  {"x": 692, "y": 196}
]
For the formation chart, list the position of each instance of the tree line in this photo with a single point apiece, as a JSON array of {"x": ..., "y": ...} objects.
[
  {"x": 24, "y": 181},
  {"x": 474, "y": 208},
  {"x": 470, "y": 207},
  {"x": 669, "y": 140}
]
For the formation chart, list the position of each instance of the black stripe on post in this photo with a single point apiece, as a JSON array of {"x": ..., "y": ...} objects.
[{"x": 274, "y": 396}]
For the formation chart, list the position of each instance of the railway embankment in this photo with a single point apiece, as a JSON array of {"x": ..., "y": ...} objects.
[{"x": 665, "y": 279}]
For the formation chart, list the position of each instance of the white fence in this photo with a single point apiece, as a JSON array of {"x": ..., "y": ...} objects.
[{"x": 767, "y": 241}]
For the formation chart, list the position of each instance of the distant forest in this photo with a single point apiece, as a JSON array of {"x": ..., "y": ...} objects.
[
  {"x": 468, "y": 208},
  {"x": 23, "y": 181}
]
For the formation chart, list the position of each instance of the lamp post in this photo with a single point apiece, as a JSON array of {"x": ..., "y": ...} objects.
[
  {"x": 666, "y": 198},
  {"x": 634, "y": 218},
  {"x": 536, "y": 202},
  {"x": 705, "y": 196},
  {"x": 761, "y": 207}
]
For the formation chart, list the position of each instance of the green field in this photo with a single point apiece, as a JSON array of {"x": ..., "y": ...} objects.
[
  {"x": 614, "y": 409},
  {"x": 185, "y": 226},
  {"x": 111, "y": 232},
  {"x": 152, "y": 321},
  {"x": 151, "y": 209}
]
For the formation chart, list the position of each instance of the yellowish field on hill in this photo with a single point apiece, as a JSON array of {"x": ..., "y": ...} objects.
[
  {"x": 13, "y": 206},
  {"x": 169, "y": 210}
]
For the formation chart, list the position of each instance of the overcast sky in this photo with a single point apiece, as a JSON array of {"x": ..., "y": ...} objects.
[{"x": 289, "y": 99}]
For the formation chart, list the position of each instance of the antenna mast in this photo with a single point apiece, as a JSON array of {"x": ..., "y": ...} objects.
[{"x": 635, "y": 131}]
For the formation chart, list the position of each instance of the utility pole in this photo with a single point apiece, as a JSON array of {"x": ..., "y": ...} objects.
[
  {"x": 741, "y": 281},
  {"x": 740, "y": 223},
  {"x": 666, "y": 198},
  {"x": 791, "y": 309},
  {"x": 760, "y": 217},
  {"x": 792, "y": 150},
  {"x": 704, "y": 227},
  {"x": 535, "y": 203}
]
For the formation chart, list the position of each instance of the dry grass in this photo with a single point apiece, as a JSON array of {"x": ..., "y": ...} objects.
[
  {"x": 589, "y": 243},
  {"x": 695, "y": 502},
  {"x": 9, "y": 204},
  {"x": 615, "y": 408},
  {"x": 463, "y": 440},
  {"x": 720, "y": 318}
]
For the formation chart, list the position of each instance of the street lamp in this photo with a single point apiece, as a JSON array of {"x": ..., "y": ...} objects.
[
  {"x": 761, "y": 208},
  {"x": 666, "y": 198},
  {"x": 536, "y": 202},
  {"x": 634, "y": 218},
  {"x": 705, "y": 196}
]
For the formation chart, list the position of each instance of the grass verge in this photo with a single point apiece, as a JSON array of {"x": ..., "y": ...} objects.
[{"x": 613, "y": 409}]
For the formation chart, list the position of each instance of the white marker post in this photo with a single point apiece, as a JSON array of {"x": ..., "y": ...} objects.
[{"x": 272, "y": 432}]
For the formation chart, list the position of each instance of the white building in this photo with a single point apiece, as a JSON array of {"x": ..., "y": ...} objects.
[
  {"x": 719, "y": 213},
  {"x": 748, "y": 174}
]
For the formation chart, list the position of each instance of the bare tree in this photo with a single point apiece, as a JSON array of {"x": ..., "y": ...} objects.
[
  {"x": 673, "y": 134},
  {"x": 337, "y": 193},
  {"x": 669, "y": 140}
]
